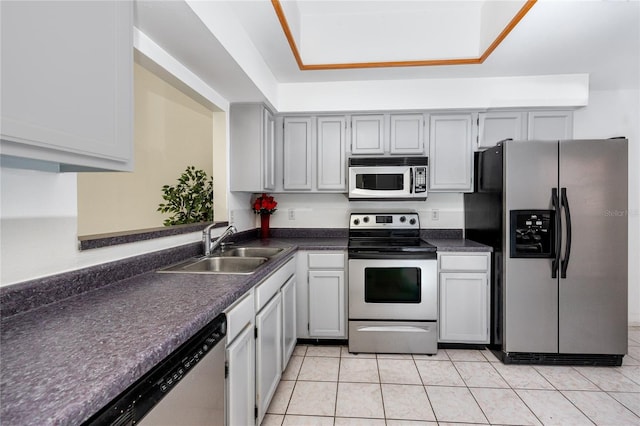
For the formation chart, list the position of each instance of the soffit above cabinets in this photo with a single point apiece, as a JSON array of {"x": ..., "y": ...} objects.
[
  {"x": 238, "y": 47},
  {"x": 371, "y": 34}
]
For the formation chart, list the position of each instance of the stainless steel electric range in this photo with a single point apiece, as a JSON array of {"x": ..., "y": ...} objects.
[{"x": 393, "y": 285}]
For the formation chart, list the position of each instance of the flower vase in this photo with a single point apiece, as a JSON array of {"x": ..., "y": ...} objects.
[{"x": 264, "y": 225}]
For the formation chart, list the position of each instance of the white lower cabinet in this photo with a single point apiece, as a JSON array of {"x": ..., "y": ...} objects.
[
  {"x": 261, "y": 336},
  {"x": 240, "y": 377},
  {"x": 241, "y": 361},
  {"x": 268, "y": 353},
  {"x": 464, "y": 297},
  {"x": 327, "y": 304},
  {"x": 289, "y": 339},
  {"x": 321, "y": 295}
]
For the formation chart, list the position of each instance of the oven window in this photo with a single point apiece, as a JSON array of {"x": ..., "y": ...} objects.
[
  {"x": 380, "y": 182},
  {"x": 392, "y": 285}
]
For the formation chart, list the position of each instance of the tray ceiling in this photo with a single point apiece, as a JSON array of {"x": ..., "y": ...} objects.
[{"x": 359, "y": 34}]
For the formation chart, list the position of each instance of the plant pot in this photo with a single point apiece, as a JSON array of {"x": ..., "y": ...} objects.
[{"x": 264, "y": 225}]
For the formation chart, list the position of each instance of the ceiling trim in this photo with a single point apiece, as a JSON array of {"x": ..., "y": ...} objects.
[{"x": 431, "y": 62}]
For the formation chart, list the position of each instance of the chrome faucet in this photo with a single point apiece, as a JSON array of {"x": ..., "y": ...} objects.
[{"x": 209, "y": 247}]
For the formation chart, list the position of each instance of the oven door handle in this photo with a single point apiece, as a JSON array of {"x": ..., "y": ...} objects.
[
  {"x": 391, "y": 328},
  {"x": 390, "y": 255}
]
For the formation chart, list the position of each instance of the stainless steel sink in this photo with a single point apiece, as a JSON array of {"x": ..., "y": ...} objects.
[
  {"x": 251, "y": 252},
  {"x": 217, "y": 265}
]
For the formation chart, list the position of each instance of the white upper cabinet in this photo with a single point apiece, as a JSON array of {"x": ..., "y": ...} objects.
[
  {"x": 494, "y": 127},
  {"x": 450, "y": 153},
  {"x": 269, "y": 147},
  {"x": 550, "y": 125},
  {"x": 407, "y": 134},
  {"x": 252, "y": 148},
  {"x": 331, "y": 142},
  {"x": 297, "y": 153},
  {"x": 367, "y": 134},
  {"x": 67, "y": 78}
]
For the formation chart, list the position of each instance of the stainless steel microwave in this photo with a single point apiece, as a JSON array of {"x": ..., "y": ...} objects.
[{"x": 388, "y": 178}]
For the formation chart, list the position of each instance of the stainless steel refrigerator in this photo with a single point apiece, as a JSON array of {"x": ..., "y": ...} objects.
[{"x": 555, "y": 213}]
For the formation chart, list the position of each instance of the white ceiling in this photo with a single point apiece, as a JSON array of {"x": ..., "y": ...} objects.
[
  {"x": 355, "y": 31},
  {"x": 601, "y": 38}
]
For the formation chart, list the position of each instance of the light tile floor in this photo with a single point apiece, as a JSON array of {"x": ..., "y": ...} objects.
[{"x": 326, "y": 385}]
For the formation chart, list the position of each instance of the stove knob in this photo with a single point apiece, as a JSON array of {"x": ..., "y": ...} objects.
[
  {"x": 356, "y": 222},
  {"x": 403, "y": 219},
  {"x": 412, "y": 221},
  {"x": 365, "y": 219}
]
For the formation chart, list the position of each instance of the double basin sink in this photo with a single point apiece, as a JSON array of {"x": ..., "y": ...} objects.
[{"x": 239, "y": 260}]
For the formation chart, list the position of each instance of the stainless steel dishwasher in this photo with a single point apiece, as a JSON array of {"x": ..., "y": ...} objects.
[{"x": 187, "y": 388}]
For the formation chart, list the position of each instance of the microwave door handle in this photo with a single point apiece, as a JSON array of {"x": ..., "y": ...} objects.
[{"x": 410, "y": 180}]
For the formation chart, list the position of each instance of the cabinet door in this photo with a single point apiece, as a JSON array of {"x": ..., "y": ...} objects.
[
  {"x": 450, "y": 153},
  {"x": 327, "y": 304},
  {"x": 297, "y": 153},
  {"x": 251, "y": 148},
  {"x": 464, "y": 307},
  {"x": 268, "y": 354},
  {"x": 367, "y": 134},
  {"x": 331, "y": 153},
  {"x": 494, "y": 127},
  {"x": 407, "y": 134},
  {"x": 241, "y": 400},
  {"x": 550, "y": 125},
  {"x": 67, "y": 78},
  {"x": 269, "y": 151},
  {"x": 288, "y": 320}
]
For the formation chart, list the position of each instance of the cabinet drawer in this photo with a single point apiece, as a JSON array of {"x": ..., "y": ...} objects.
[
  {"x": 457, "y": 262},
  {"x": 241, "y": 313},
  {"x": 326, "y": 260},
  {"x": 270, "y": 286}
]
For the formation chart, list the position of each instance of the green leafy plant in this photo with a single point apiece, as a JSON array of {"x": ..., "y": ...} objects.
[{"x": 190, "y": 201}]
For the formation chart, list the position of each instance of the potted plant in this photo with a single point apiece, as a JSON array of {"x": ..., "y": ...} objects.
[{"x": 191, "y": 200}]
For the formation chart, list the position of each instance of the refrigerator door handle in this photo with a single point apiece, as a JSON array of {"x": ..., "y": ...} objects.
[
  {"x": 555, "y": 202},
  {"x": 567, "y": 251}
]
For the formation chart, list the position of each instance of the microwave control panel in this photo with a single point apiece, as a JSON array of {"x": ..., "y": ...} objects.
[{"x": 420, "y": 180}]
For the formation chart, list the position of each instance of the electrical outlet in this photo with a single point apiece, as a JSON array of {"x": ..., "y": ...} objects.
[
  {"x": 435, "y": 214},
  {"x": 231, "y": 216},
  {"x": 292, "y": 214}
]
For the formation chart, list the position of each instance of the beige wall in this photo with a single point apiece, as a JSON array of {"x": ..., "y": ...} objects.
[{"x": 171, "y": 131}]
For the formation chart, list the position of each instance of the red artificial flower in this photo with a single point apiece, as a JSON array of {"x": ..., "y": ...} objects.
[{"x": 265, "y": 204}]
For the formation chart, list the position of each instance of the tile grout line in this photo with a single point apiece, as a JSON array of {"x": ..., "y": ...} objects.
[
  {"x": 515, "y": 391},
  {"x": 335, "y": 407},
  {"x": 424, "y": 387},
  {"x": 554, "y": 388},
  {"x": 384, "y": 412}
]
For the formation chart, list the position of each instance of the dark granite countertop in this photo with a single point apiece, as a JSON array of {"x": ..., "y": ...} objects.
[
  {"x": 458, "y": 244},
  {"x": 64, "y": 361}
]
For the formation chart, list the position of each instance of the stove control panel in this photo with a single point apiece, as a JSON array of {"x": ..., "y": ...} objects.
[{"x": 384, "y": 220}]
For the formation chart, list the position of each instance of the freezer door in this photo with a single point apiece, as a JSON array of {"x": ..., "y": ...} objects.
[
  {"x": 593, "y": 296},
  {"x": 530, "y": 315}
]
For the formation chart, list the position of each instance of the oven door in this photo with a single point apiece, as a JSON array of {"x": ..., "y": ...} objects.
[
  {"x": 393, "y": 289},
  {"x": 381, "y": 182}
]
